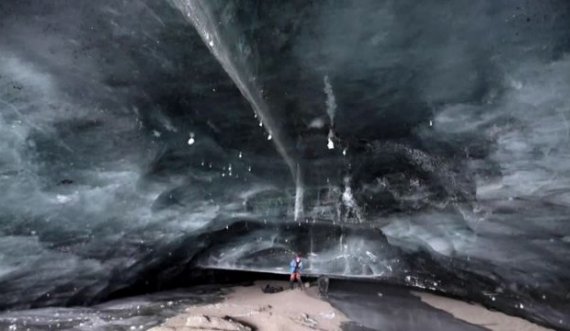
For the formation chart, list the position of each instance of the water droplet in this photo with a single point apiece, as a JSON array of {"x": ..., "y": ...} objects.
[
  {"x": 249, "y": 169},
  {"x": 430, "y": 123},
  {"x": 344, "y": 152},
  {"x": 330, "y": 144},
  {"x": 269, "y": 137},
  {"x": 240, "y": 155},
  {"x": 260, "y": 124}
]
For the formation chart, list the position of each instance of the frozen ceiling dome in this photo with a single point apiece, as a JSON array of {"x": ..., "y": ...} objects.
[{"x": 119, "y": 122}]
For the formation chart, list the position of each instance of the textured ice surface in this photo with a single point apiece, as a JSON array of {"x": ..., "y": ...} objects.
[
  {"x": 136, "y": 313},
  {"x": 134, "y": 145}
]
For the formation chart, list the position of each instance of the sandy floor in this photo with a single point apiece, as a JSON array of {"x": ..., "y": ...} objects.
[
  {"x": 283, "y": 311},
  {"x": 479, "y": 315},
  {"x": 304, "y": 310}
]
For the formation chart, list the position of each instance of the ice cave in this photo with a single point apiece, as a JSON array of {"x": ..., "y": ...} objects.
[{"x": 151, "y": 145}]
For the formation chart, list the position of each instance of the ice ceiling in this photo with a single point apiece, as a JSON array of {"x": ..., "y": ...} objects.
[{"x": 420, "y": 142}]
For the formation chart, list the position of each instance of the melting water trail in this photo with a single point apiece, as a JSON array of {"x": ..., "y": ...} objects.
[
  {"x": 331, "y": 109},
  {"x": 202, "y": 18},
  {"x": 350, "y": 203},
  {"x": 299, "y": 194},
  {"x": 331, "y": 100}
]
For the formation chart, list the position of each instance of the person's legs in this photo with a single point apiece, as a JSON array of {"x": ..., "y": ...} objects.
[
  {"x": 291, "y": 280},
  {"x": 298, "y": 276}
]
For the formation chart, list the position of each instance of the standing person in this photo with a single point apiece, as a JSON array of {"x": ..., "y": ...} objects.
[{"x": 295, "y": 268}]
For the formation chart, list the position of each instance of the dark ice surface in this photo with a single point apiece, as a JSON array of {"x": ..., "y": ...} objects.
[
  {"x": 134, "y": 313},
  {"x": 422, "y": 143},
  {"x": 380, "y": 307}
]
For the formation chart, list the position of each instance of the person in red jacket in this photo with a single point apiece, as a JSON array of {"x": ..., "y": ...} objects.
[{"x": 295, "y": 268}]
